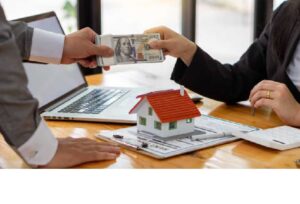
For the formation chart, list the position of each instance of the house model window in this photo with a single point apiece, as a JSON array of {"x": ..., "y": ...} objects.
[
  {"x": 165, "y": 113},
  {"x": 190, "y": 120},
  {"x": 172, "y": 125},
  {"x": 150, "y": 111},
  {"x": 143, "y": 121},
  {"x": 157, "y": 125}
]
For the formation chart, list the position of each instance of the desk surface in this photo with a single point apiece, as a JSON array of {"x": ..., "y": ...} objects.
[{"x": 239, "y": 154}]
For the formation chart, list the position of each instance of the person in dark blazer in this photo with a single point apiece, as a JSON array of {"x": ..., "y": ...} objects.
[
  {"x": 20, "y": 123},
  {"x": 268, "y": 73}
]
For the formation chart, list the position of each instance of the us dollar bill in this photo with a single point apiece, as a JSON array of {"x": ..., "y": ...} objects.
[{"x": 129, "y": 49}]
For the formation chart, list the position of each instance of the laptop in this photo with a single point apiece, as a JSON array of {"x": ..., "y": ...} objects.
[{"x": 64, "y": 94}]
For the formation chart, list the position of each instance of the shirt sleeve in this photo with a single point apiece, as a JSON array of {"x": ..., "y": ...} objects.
[
  {"x": 40, "y": 148},
  {"x": 46, "y": 47}
]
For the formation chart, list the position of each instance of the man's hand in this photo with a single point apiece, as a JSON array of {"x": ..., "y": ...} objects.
[
  {"x": 278, "y": 97},
  {"x": 173, "y": 44},
  {"x": 79, "y": 47},
  {"x": 72, "y": 152}
]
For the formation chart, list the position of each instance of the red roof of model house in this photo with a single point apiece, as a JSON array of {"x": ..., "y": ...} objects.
[{"x": 169, "y": 105}]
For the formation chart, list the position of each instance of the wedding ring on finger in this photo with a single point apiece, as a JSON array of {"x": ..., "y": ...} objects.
[{"x": 268, "y": 94}]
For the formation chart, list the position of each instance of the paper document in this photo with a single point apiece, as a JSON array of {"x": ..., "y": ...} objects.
[
  {"x": 213, "y": 131},
  {"x": 280, "y": 138}
]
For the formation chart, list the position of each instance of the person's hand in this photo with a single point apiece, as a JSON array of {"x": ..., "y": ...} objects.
[
  {"x": 79, "y": 47},
  {"x": 72, "y": 152},
  {"x": 277, "y": 97},
  {"x": 173, "y": 44}
]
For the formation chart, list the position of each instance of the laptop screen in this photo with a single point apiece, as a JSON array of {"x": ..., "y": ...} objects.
[{"x": 48, "y": 82}]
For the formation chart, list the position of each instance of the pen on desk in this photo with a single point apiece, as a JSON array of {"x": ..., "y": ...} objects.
[
  {"x": 252, "y": 111},
  {"x": 128, "y": 143},
  {"x": 252, "y": 108},
  {"x": 208, "y": 136}
]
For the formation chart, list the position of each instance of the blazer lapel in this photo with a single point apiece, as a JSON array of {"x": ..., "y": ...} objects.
[
  {"x": 292, "y": 44},
  {"x": 290, "y": 51}
]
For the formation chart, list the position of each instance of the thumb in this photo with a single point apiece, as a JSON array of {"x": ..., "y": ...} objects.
[{"x": 102, "y": 50}]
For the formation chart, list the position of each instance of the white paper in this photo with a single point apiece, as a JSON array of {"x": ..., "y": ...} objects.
[{"x": 161, "y": 149}]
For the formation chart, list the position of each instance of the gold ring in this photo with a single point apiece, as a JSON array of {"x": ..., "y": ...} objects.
[{"x": 268, "y": 94}]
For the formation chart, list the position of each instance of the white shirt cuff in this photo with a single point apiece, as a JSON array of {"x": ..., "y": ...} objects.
[
  {"x": 41, "y": 147},
  {"x": 46, "y": 46}
]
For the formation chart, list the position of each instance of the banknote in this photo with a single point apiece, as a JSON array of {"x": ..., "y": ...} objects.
[{"x": 129, "y": 49}]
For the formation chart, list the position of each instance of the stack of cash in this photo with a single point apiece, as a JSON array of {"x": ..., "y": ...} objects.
[{"x": 129, "y": 49}]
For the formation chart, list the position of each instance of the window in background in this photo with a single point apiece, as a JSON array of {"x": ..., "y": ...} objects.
[
  {"x": 65, "y": 10},
  {"x": 224, "y": 28},
  {"x": 135, "y": 16}
]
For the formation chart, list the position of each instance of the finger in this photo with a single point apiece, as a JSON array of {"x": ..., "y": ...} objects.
[
  {"x": 90, "y": 32},
  {"x": 94, "y": 156},
  {"x": 106, "y": 68},
  {"x": 262, "y": 94},
  {"x": 152, "y": 30},
  {"x": 93, "y": 64},
  {"x": 155, "y": 30},
  {"x": 105, "y": 148},
  {"x": 84, "y": 63},
  {"x": 264, "y": 102},
  {"x": 87, "y": 141},
  {"x": 263, "y": 85},
  {"x": 159, "y": 44},
  {"x": 102, "y": 156},
  {"x": 101, "y": 50},
  {"x": 95, "y": 144}
]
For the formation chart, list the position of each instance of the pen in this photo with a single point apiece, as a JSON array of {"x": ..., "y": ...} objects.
[
  {"x": 208, "y": 136},
  {"x": 252, "y": 111},
  {"x": 128, "y": 143}
]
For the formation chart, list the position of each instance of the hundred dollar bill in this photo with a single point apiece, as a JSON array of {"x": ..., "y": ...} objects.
[{"x": 129, "y": 49}]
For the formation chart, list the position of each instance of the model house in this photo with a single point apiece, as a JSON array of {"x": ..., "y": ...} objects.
[{"x": 165, "y": 113}]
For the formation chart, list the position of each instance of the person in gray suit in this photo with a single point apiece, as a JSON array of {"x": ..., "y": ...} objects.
[{"x": 20, "y": 123}]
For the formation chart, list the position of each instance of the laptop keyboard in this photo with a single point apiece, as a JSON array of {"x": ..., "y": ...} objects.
[{"x": 95, "y": 101}]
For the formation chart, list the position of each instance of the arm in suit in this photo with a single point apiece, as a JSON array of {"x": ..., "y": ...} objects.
[
  {"x": 23, "y": 37},
  {"x": 20, "y": 122},
  {"x": 226, "y": 82}
]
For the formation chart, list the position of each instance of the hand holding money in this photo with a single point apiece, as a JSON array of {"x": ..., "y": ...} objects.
[
  {"x": 79, "y": 47},
  {"x": 173, "y": 44},
  {"x": 129, "y": 49}
]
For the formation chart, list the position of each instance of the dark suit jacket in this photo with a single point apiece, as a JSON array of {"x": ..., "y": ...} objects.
[
  {"x": 19, "y": 115},
  {"x": 233, "y": 83}
]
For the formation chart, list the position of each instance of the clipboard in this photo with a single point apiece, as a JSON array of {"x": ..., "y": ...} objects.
[{"x": 216, "y": 131}]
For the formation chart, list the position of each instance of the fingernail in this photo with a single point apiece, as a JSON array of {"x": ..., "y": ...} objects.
[
  {"x": 112, "y": 156},
  {"x": 117, "y": 149}
]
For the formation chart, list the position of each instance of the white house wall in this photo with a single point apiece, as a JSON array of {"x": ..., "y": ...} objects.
[
  {"x": 143, "y": 112},
  {"x": 182, "y": 126}
]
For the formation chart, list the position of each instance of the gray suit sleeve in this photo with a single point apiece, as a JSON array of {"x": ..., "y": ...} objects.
[
  {"x": 23, "y": 35},
  {"x": 19, "y": 115}
]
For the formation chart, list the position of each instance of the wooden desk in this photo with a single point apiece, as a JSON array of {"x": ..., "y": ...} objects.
[{"x": 240, "y": 154}]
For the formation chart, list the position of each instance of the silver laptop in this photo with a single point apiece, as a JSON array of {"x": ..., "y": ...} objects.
[{"x": 63, "y": 93}]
